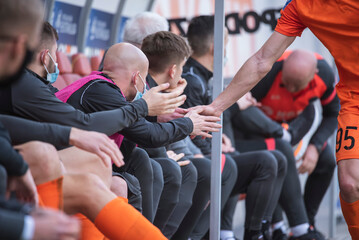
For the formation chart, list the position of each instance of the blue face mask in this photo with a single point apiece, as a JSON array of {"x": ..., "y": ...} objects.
[
  {"x": 139, "y": 94},
  {"x": 52, "y": 77}
]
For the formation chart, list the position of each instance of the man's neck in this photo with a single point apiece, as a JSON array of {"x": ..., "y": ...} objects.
[
  {"x": 39, "y": 70},
  {"x": 159, "y": 77},
  {"x": 205, "y": 60}
]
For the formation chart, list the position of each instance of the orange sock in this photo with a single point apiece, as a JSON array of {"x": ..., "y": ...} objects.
[
  {"x": 351, "y": 215},
  {"x": 50, "y": 194},
  {"x": 88, "y": 229},
  {"x": 119, "y": 220}
]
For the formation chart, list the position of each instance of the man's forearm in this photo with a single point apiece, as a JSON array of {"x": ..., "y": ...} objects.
[{"x": 22, "y": 130}]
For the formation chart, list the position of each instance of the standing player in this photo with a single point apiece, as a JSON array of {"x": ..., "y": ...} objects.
[{"x": 336, "y": 25}]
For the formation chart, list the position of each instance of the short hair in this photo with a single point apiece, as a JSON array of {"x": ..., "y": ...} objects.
[
  {"x": 142, "y": 25},
  {"x": 200, "y": 34},
  {"x": 164, "y": 49},
  {"x": 48, "y": 35},
  {"x": 17, "y": 16}
]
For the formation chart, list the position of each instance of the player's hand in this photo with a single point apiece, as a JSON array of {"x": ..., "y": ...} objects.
[
  {"x": 227, "y": 144},
  {"x": 309, "y": 160},
  {"x": 97, "y": 143},
  {"x": 202, "y": 125},
  {"x": 178, "y": 113},
  {"x": 159, "y": 102},
  {"x": 247, "y": 101},
  {"x": 207, "y": 110},
  {"x": 55, "y": 225},
  {"x": 171, "y": 154},
  {"x": 24, "y": 187}
]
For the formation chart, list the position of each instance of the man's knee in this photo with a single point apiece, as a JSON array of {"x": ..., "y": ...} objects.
[
  {"x": 119, "y": 186},
  {"x": 43, "y": 160},
  {"x": 81, "y": 191},
  {"x": 267, "y": 164},
  {"x": 281, "y": 161},
  {"x": 348, "y": 179}
]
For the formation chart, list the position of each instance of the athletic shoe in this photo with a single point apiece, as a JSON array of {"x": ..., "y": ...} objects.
[
  {"x": 310, "y": 235},
  {"x": 279, "y": 235}
]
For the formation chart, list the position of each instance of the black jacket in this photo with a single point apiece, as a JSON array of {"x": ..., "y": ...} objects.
[
  {"x": 9, "y": 157},
  {"x": 99, "y": 95},
  {"x": 198, "y": 92},
  {"x": 31, "y": 98}
]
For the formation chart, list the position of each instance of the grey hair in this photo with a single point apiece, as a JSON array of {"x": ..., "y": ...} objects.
[{"x": 142, "y": 25}]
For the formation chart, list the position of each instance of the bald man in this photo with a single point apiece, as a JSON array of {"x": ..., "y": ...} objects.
[
  {"x": 295, "y": 80},
  {"x": 123, "y": 80}
]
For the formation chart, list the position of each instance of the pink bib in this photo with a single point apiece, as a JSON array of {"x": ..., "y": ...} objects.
[{"x": 66, "y": 93}]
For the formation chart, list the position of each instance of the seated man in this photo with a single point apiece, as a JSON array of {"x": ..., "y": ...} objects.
[
  {"x": 124, "y": 66},
  {"x": 167, "y": 53},
  {"x": 252, "y": 167},
  {"x": 304, "y": 74}
]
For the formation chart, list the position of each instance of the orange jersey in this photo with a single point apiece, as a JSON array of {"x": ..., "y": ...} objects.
[{"x": 336, "y": 25}]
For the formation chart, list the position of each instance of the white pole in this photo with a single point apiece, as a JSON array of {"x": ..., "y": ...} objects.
[{"x": 215, "y": 206}]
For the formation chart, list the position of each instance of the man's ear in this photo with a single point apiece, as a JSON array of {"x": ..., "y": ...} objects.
[
  {"x": 44, "y": 56},
  {"x": 172, "y": 71},
  {"x": 134, "y": 77}
]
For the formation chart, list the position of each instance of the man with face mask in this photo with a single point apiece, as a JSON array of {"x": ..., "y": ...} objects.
[{"x": 122, "y": 80}]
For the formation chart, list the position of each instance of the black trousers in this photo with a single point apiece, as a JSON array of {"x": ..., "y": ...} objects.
[
  {"x": 316, "y": 186},
  {"x": 229, "y": 178},
  {"x": 260, "y": 176},
  {"x": 149, "y": 175},
  {"x": 199, "y": 201},
  {"x": 186, "y": 198},
  {"x": 297, "y": 209}
]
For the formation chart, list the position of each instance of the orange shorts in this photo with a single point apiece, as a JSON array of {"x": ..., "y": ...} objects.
[{"x": 347, "y": 140}]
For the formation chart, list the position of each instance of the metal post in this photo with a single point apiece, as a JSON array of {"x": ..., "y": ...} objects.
[
  {"x": 83, "y": 25},
  {"x": 215, "y": 206},
  {"x": 116, "y": 22},
  {"x": 150, "y": 5},
  {"x": 49, "y": 8}
]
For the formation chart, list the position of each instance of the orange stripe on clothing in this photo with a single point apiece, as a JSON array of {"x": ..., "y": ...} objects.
[
  {"x": 329, "y": 99},
  {"x": 51, "y": 194}
]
